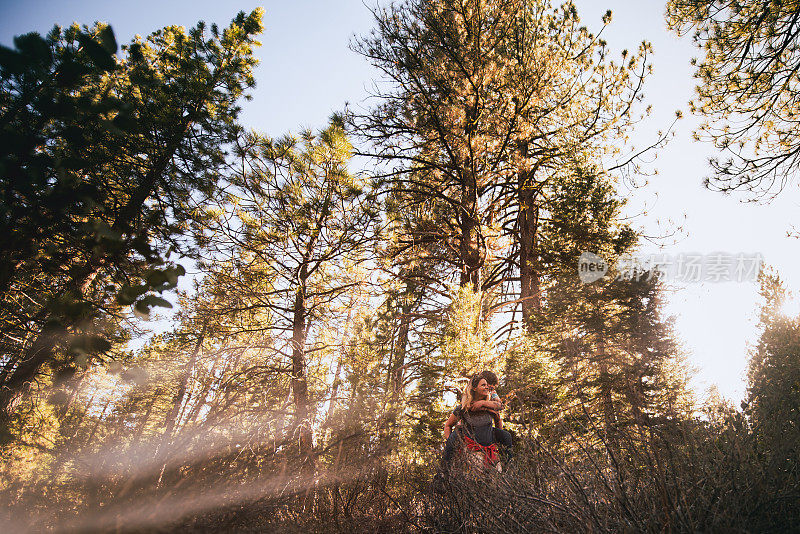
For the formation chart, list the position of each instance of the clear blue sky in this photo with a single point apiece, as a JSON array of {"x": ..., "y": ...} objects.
[{"x": 307, "y": 72}]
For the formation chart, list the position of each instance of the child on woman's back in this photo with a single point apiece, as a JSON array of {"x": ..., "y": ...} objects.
[{"x": 494, "y": 405}]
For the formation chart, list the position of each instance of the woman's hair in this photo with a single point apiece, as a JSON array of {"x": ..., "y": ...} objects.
[{"x": 469, "y": 392}]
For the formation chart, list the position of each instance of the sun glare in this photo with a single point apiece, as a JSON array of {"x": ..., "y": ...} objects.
[{"x": 791, "y": 307}]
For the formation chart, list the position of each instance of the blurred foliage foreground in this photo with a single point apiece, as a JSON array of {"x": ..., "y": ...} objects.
[{"x": 711, "y": 474}]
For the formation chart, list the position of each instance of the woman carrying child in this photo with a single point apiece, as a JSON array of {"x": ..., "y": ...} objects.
[{"x": 478, "y": 413}]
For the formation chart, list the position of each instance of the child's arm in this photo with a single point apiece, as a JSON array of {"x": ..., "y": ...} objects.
[
  {"x": 498, "y": 421},
  {"x": 490, "y": 406},
  {"x": 449, "y": 424},
  {"x": 486, "y": 405}
]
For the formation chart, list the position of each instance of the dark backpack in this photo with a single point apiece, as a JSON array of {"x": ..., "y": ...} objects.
[{"x": 466, "y": 422}]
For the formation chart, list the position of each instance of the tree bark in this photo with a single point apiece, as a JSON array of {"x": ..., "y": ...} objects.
[
  {"x": 145, "y": 419},
  {"x": 528, "y": 219},
  {"x": 395, "y": 371},
  {"x": 201, "y": 398},
  {"x": 172, "y": 418},
  {"x": 299, "y": 382},
  {"x": 88, "y": 442},
  {"x": 396, "y": 377},
  {"x": 606, "y": 393},
  {"x": 469, "y": 248},
  {"x": 336, "y": 376},
  {"x": 337, "y": 381}
]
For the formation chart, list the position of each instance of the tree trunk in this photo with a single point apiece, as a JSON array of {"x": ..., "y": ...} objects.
[
  {"x": 201, "y": 398},
  {"x": 528, "y": 220},
  {"x": 145, "y": 419},
  {"x": 88, "y": 442},
  {"x": 79, "y": 421},
  {"x": 299, "y": 383},
  {"x": 332, "y": 403},
  {"x": 469, "y": 248},
  {"x": 40, "y": 351},
  {"x": 396, "y": 372},
  {"x": 606, "y": 394},
  {"x": 336, "y": 376},
  {"x": 62, "y": 411},
  {"x": 388, "y": 427},
  {"x": 177, "y": 402}
]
